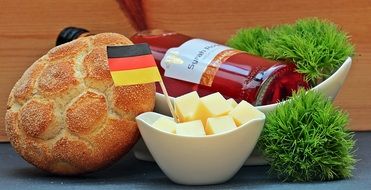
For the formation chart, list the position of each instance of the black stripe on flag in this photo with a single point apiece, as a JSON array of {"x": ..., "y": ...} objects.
[{"x": 128, "y": 50}]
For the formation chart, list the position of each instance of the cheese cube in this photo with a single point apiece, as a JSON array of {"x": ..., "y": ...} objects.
[
  {"x": 232, "y": 102},
  {"x": 217, "y": 125},
  {"x": 245, "y": 112},
  {"x": 212, "y": 105},
  {"x": 165, "y": 124},
  {"x": 191, "y": 128},
  {"x": 186, "y": 106}
]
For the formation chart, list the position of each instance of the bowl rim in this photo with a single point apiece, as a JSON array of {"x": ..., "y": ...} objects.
[
  {"x": 230, "y": 132},
  {"x": 347, "y": 61}
]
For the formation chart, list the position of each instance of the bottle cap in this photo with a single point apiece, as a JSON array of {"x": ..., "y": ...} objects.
[{"x": 68, "y": 34}]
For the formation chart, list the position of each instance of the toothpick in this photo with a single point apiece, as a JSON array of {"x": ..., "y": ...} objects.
[{"x": 168, "y": 101}]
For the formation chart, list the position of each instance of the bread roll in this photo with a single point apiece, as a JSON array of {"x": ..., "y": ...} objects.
[{"x": 66, "y": 117}]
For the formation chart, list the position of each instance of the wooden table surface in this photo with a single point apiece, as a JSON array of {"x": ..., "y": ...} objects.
[{"x": 28, "y": 29}]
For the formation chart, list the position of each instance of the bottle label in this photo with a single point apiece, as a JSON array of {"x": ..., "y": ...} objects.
[{"x": 196, "y": 61}]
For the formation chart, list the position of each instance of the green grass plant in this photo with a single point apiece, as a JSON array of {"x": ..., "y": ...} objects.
[
  {"x": 306, "y": 139},
  {"x": 317, "y": 47}
]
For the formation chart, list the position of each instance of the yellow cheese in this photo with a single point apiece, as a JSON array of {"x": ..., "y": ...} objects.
[
  {"x": 165, "y": 124},
  {"x": 217, "y": 125},
  {"x": 191, "y": 128},
  {"x": 213, "y": 105},
  {"x": 244, "y": 112},
  {"x": 186, "y": 106},
  {"x": 232, "y": 102}
]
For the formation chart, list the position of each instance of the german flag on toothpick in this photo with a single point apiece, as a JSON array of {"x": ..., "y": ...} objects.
[{"x": 132, "y": 64}]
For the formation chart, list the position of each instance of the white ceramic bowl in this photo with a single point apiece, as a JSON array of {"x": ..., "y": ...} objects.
[
  {"x": 200, "y": 160},
  {"x": 330, "y": 87}
]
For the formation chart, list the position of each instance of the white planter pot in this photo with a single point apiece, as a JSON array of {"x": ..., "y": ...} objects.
[{"x": 330, "y": 87}]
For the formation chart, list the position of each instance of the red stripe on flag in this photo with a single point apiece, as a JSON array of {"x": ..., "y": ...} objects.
[{"x": 129, "y": 63}]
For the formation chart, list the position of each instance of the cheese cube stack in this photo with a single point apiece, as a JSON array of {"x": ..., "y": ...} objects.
[
  {"x": 165, "y": 124},
  {"x": 212, "y": 105},
  {"x": 186, "y": 106},
  {"x": 244, "y": 112},
  {"x": 191, "y": 128},
  {"x": 209, "y": 115},
  {"x": 217, "y": 125}
]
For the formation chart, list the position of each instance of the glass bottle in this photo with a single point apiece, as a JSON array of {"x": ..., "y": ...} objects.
[{"x": 189, "y": 64}]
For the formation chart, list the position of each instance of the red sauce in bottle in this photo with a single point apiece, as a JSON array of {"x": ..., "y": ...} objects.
[{"x": 241, "y": 76}]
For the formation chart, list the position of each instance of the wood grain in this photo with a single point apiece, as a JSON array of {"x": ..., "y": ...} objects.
[
  {"x": 134, "y": 11},
  {"x": 28, "y": 29},
  {"x": 218, "y": 19}
]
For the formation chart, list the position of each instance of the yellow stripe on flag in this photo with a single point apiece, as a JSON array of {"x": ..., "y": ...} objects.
[{"x": 136, "y": 76}]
